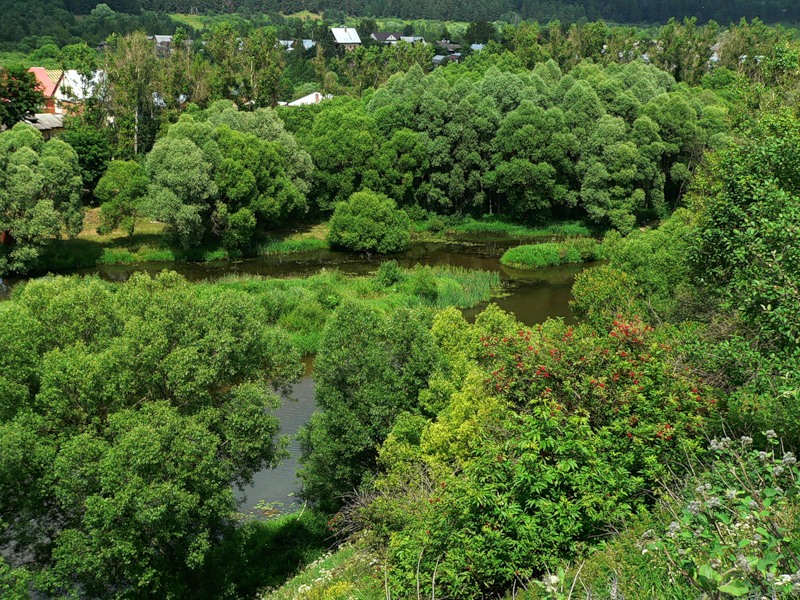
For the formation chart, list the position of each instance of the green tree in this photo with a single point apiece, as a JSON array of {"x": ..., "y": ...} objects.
[
  {"x": 120, "y": 191},
  {"x": 93, "y": 149},
  {"x": 370, "y": 222},
  {"x": 370, "y": 369},
  {"x": 132, "y": 81},
  {"x": 137, "y": 408},
  {"x": 20, "y": 95},
  {"x": 40, "y": 195}
]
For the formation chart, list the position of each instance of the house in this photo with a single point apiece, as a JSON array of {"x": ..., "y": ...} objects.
[
  {"x": 439, "y": 60},
  {"x": 290, "y": 45},
  {"x": 412, "y": 39},
  {"x": 73, "y": 90},
  {"x": 346, "y": 37},
  {"x": 49, "y": 124},
  {"x": 387, "y": 37},
  {"x": 714, "y": 53},
  {"x": 163, "y": 44},
  {"x": 477, "y": 47},
  {"x": 314, "y": 98},
  {"x": 447, "y": 47},
  {"x": 48, "y": 80}
]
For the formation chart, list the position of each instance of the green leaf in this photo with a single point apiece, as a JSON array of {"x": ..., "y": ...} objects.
[{"x": 734, "y": 588}]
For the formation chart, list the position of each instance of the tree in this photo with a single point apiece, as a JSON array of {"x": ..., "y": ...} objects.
[
  {"x": 370, "y": 369},
  {"x": 93, "y": 149},
  {"x": 40, "y": 195},
  {"x": 136, "y": 408},
  {"x": 120, "y": 191},
  {"x": 747, "y": 197},
  {"x": 132, "y": 71},
  {"x": 370, "y": 222},
  {"x": 19, "y": 95},
  {"x": 479, "y": 32},
  {"x": 226, "y": 173}
]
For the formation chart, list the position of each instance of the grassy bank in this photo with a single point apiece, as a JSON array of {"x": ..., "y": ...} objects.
[
  {"x": 149, "y": 243},
  {"x": 493, "y": 227},
  {"x": 302, "y": 306},
  {"x": 534, "y": 256}
]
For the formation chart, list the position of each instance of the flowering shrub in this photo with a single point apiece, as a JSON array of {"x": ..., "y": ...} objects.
[
  {"x": 736, "y": 533},
  {"x": 546, "y": 436}
]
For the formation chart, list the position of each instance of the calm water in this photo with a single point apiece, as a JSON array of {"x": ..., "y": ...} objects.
[{"x": 533, "y": 296}]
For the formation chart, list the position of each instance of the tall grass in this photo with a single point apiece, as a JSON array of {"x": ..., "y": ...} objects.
[
  {"x": 289, "y": 246},
  {"x": 500, "y": 228},
  {"x": 534, "y": 256},
  {"x": 302, "y": 306}
]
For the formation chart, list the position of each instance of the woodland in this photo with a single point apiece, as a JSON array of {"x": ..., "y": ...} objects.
[{"x": 644, "y": 447}]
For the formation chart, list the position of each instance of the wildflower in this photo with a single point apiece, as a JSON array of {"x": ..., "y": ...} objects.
[
  {"x": 746, "y": 440},
  {"x": 713, "y": 502},
  {"x": 770, "y": 433},
  {"x": 777, "y": 471},
  {"x": 763, "y": 456},
  {"x": 788, "y": 459},
  {"x": 730, "y": 494},
  {"x": 694, "y": 507},
  {"x": 743, "y": 564},
  {"x": 673, "y": 529}
]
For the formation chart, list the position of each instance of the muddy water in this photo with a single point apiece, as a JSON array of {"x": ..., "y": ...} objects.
[{"x": 532, "y": 296}]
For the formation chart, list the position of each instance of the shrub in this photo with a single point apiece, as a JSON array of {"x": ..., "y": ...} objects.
[
  {"x": 370, "y": 222},
  {"x": 735, "y": 532},
  {"x": 602, "y": 293},
  {"x": 389, "y": 273}
]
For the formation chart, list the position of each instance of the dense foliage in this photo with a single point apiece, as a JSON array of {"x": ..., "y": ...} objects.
[
  {"x": 370, "y": 369},
  {"x": 464, "y": 10},
  {"x": 40, "y": 195},
  {"x": 370, "y": 222},
  {"x": 226, "y": 173},
  {"x": 127, "y": 414}
]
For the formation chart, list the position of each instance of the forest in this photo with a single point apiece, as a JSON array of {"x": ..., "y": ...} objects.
[{"x": 640, "y": 443}]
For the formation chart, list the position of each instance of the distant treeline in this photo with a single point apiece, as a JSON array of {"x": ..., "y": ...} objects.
[
  {"x": 28, "y": 21},
  {"x": 622, "y": 11}
]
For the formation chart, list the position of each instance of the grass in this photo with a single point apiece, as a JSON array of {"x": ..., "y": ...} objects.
[
  {"x": 435, "y": 226},
  {"x": 349, "y": 573},
  {"x": 198, "y": 22},
  {"x": 150, "y": 243},
  {"x": 535, "y": 256},
  {"x": 302, "y": 306}
]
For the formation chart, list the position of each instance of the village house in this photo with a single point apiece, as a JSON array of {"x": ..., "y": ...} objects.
[
  {"x": 346, "y": 38},
  {"x": 48, "y": 80},
  {"x": 163, "y": 44},
  {"x": 50, "y": 125},
  {"x": 387, "y": 37}
]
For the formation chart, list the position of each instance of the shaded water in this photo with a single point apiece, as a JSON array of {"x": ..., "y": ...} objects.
[{"x": 533, "y": 296}]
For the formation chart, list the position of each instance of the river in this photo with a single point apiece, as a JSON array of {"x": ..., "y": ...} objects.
[{"x": 533, "y": 296}]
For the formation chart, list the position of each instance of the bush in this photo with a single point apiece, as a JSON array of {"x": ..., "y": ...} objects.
[
  {"x": 389, "y": 273},
  {"x": 602, "y": 293},
  {"x": 370, "y": 222}
]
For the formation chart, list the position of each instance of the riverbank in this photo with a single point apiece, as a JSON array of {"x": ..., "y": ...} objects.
[{"x": 150, "y": 242}]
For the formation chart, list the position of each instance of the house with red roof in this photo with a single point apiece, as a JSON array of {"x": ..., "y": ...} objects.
[{"x": 49, "y": 80}]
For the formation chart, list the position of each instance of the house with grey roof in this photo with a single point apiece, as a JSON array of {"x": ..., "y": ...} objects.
[{"x": 346, "y": 38}]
